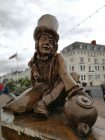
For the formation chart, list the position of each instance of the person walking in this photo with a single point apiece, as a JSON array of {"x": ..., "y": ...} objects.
[{"x": 103, "y": 90}]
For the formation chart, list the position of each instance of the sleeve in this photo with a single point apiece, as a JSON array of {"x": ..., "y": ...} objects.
[
  {"x": 65, "y": 76},
  {"x": 32, "y": 77},
  {"x": 30, "y": 64}
]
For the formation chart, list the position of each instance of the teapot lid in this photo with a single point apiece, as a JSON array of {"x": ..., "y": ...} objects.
[{"x": 84, "y": 101}]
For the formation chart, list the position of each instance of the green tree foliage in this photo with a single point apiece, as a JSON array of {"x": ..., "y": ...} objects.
[
  {"x": 20, "y": 86},
  {"x": 11, "y": 84}
]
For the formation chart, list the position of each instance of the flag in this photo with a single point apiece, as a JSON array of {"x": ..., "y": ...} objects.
[{"x": 13, "y": 56}]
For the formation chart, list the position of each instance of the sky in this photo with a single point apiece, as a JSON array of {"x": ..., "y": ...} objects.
[{"x": 79, "y": 20}]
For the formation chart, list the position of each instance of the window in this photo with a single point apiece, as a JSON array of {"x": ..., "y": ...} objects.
[
  {"x": 103, "y": 60},
  {"x": 88, "y": 46},
  {"x": 95, "y": 60},
  {"x": 82, "y": 67},
  {"x": 103, "y": 67},
  {"x": 89, "y": 68},
  {"x": 71, "y": 48},
  {"x": 81, "y": 59},
  {"x": 72, "y": 60},
  {"x": 89, "y": 59},
  {"x": 72, "y": 68},
  {"x": 80, "y": 46},
  {"x": 97, "y": 77},
  {"x": 90, "y": 77},
  {"x": 83, "y": 77},
  {"x": 101, "y": 48},
  {"x": 96, "y": 68},
  {"x": 95, "y": 48}
]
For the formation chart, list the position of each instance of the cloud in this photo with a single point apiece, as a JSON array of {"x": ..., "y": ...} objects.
[
  {"x": 18, "y": 18},
  {"x": 11, "y": 16}
]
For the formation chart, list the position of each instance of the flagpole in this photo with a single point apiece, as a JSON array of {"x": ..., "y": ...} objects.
[
  {"x": 15, "y": 56},
  {"x": 12, "y": 73},
  {"x": 17, "y": 67}
]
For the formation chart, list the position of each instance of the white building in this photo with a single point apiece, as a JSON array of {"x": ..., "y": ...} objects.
[
  {"x": 15, "y": 76},
  {"x": 88, "y": 60}
]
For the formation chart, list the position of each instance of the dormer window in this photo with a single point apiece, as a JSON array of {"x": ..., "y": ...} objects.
[
  {"x": 80, "y": 46},
  {"x": 71, "y": 48},
  {"x": 88, "y": 46},
  {"x": 101, "y": 48},
  {"x": 95, "y": 48}
]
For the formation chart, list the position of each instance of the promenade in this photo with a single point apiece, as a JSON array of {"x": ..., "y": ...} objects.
[{"x": 3, "y": 99}]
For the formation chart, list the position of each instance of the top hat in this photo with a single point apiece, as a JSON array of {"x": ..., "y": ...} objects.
[{"x": 46, "y": 23}]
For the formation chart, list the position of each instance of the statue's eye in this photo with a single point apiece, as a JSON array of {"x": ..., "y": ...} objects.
[
  {"x": 43, "y": 38},
  {"x": 51, "y": 42}
]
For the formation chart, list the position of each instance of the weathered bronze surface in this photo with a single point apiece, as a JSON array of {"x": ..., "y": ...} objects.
[
  {"x": 30, "y": 128},
  {"x": 52, "y": 86},
  {"x": 80, "y": 109}
]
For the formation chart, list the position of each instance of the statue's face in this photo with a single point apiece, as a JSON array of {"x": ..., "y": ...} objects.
[{"x": 46, "y": 44}]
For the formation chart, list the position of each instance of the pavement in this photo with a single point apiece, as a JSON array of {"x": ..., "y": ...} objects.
[{"x": 3, "y": 99}]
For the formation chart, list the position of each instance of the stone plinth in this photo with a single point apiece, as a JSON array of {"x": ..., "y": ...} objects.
[{"x": 30, "y": 128}]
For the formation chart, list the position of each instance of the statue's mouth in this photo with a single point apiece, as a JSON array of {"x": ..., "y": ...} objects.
[{"x": 46, "y": 48}]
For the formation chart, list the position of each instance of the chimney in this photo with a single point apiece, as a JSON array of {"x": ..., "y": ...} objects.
[{"x": 93, "y": 42}]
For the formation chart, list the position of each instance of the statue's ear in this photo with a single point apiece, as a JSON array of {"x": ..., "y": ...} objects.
[
  {"x": 55, "y": 48},
  {"x": 30, "y": 63},
  {"x": 36, "y": 45}
]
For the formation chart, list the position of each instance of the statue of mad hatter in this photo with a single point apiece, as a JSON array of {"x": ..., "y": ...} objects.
[{"x": 52, "y": 86}]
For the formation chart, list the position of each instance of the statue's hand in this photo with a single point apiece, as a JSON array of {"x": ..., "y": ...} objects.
[{"x": 74, "y": 91}]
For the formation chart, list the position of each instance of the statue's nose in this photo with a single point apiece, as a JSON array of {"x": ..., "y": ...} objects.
[{"x": 47, "y": 41}]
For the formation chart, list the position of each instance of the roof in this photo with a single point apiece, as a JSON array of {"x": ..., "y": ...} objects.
[{"x": 84, "y": 46}]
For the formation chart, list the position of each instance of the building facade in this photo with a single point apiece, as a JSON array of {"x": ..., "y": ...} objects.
[
  {"x": 88, "y": 60},
  {"x": 15, "y": 76}
]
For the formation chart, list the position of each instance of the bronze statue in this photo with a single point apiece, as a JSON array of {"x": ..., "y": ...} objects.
[{"x": 52, "y": 85}]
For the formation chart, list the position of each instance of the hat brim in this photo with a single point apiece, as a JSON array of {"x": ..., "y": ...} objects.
[{"x": 40, "y": 29}]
